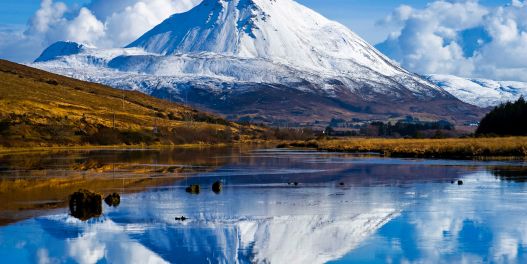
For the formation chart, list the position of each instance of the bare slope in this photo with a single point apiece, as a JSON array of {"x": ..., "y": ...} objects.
[{"x": 38, "y": 108}]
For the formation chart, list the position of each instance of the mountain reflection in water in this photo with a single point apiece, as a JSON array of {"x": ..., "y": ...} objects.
[{"x": 346, "y": 208}]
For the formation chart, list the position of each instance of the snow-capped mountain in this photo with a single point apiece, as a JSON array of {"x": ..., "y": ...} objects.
[
  {"x": 480, "y": 92},
  {"x": 266, "y": 30},
  {"x": 58, "y": 49},
  {"x": 266, "y": 59}
]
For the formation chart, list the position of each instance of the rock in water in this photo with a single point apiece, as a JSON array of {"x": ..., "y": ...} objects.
[
  {"x": 113, "y": 199},
  {"x": 460, "y": 182},
  {"x": 85, "y": 204},
  {"x": 194, "y": 189},
  {"x": 216, "y": 187}
]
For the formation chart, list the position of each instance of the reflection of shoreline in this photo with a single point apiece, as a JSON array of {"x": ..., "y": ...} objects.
[
  {"x": 510, "y": 173},
  {"x": 51, "y": 194},
  {"x": 37, "y": 184}
]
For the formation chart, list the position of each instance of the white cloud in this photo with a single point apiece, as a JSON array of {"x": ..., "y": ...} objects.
[
  {"x": 100, "y": 23},
  {"x": 49, "y": 13},
  {"x": 85, "y": 28},
  {"x": 86, "y": 249},
  {"x": 43, "y": 256},
  {"x": 461, "y": 38},
  {"x": 107, "y": 242},
  {"x": 131, "y": 22}
]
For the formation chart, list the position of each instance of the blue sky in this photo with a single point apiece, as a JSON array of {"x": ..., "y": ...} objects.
[{"x": 359, "y": 15}]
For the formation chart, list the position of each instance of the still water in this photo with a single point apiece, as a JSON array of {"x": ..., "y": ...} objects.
[{"x": 343, "y": 208}]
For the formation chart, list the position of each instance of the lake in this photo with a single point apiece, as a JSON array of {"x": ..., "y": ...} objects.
[{"x": 276, "y": 206}]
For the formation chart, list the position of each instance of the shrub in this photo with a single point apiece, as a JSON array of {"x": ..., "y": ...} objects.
[
  {"x": 52, "y": 82},
  {"x": 104, "y": 136},
  {"x": 135, "y": 137}
]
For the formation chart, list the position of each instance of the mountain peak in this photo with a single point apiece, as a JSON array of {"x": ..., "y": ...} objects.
[
  {"x": 281, "y": 31},
  {"x": 212, "y": 26}
]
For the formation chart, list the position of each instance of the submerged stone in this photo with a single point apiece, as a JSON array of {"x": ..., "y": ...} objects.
[
  {"x": 216, "y": 187},
  {"x": 194, "y": 189},
  {"x": 85, "y": 204},
  {"x": 113, "y": 199}
]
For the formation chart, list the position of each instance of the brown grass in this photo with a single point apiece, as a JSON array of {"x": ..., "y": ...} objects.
[
  {"x": 426, "y": 148},
  {"x": 40, "y": 109}
]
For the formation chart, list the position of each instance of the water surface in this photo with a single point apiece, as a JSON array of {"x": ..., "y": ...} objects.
[{"x": 343, "y": 208}]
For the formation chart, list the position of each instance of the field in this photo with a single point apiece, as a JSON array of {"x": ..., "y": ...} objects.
[{"x": 424, "y": 148}]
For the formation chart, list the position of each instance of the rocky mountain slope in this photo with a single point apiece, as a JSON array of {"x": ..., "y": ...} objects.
[{"x": 261, "y": 60}]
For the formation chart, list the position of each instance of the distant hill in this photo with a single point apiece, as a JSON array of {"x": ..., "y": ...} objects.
[
  {"x": 480, "y": 92},
  {"x": 38, "y": 108}
]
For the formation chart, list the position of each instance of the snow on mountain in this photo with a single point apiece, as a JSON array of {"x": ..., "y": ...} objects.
[
  {"x": 263, "y": 32},
  {"x": 221, "y": 50},
  {"x": 58, "y": 49},
  {"x": 281, "y": 31},
  {"x": 480, "y": 92}
]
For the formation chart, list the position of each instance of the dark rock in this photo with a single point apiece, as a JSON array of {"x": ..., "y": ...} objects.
[
  {"x": 181, "y": 218},
  {"x": 452, "y": 182},
  {"x": 460, "y": 182},
  {"x": 194, "y": 189},
  {"x": 341, "y": 184},
  {"x": 216, "y": 187},
  {"x": 85, "y": 204},
  {"x": 296, "y": 183},
  {"x": 113, "y": 199}
]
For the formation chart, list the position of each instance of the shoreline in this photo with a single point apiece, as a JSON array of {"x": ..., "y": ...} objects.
[
  {"x": 450, "y": 148},
  {"x": 22, "y": 150}
]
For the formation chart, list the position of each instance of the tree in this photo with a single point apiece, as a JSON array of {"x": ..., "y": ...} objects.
[
  {"x": 328, "y": 131},
  {"x": 508, "y": 119}
]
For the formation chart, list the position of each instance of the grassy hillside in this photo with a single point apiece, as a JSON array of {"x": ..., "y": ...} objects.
[{"x": 38, "y": 108}]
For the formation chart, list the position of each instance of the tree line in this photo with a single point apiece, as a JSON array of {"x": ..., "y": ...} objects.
[{"x": 508, "y": 119}]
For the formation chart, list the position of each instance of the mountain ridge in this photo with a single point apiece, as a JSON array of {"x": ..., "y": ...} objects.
[
  {"x": 478, "y": 91},
  {"x": 229, "y": 56}
]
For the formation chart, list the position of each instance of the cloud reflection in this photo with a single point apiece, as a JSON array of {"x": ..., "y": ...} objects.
[{"x": 482, "y": 221}]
